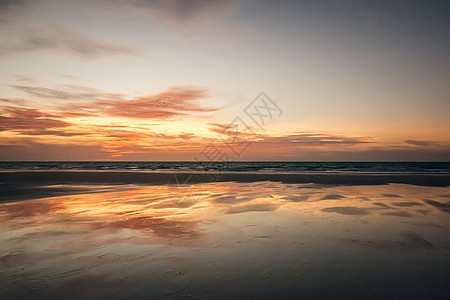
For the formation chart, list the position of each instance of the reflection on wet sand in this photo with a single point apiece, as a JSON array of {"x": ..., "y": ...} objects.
[{"x": 256, "y": 240}]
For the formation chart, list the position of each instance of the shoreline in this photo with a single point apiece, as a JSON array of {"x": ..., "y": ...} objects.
[{"x": 49, "y": 177}]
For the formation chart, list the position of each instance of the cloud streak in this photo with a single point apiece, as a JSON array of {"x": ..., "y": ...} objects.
[
  {"x": 304, "y": 139},
  {"x": 419, "y": 143},
  {"x": 175, "y": 101},
  {"x": 315, "y": 139},
  {"x": 28, "y": 120},
  {"x": 176, "y": 11},
  {"x": 50, "y": 93},
  {"x": 31, "y": 39}
]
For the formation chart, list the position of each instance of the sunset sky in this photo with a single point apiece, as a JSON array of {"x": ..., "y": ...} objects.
[{"x": 163, "y": 80}]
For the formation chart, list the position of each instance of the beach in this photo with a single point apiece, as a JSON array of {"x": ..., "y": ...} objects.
[
  {"x": 142, "y": 235},
  {"x": 193, "y": 149}
]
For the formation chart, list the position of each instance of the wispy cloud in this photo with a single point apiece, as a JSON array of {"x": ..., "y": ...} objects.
[
  {"x": 173, "y": 102},
  {"x": 24, "y": 79},
  {"x": 315, "y": 139},
  {"x": 419, "y": 143},
  {"x": 52, "y": 93},
  {"x": 29, "y": 121},
  {"x": 308, "y": 139},
  {"x": 33, "y": 39},
  {"x": 174, "y": 10},
  {"x": 179, "y": 11},
  {"x": 17, "y": 102}
]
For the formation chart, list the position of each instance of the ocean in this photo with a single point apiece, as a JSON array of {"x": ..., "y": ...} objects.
[{"x": 253, "y": 167}]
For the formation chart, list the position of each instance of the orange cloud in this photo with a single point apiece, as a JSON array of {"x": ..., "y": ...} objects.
[
  {"x": 175, "y": 101},
  {"x": 28, "y": 120}
]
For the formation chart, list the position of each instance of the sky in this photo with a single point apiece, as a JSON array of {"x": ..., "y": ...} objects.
[{"x": 250, "y": 80}]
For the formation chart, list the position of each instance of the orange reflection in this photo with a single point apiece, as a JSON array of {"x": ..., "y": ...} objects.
[{"x": 179, "y": 211}]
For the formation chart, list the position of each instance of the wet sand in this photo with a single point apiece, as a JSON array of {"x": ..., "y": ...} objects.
[
  {"x": 23, "y": 185},
  {"x": 124, "y": 177},
  {"x": 225, "y": 240}
]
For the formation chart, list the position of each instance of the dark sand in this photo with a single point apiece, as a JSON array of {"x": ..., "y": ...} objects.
[{"x": 123, "y": 177}]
